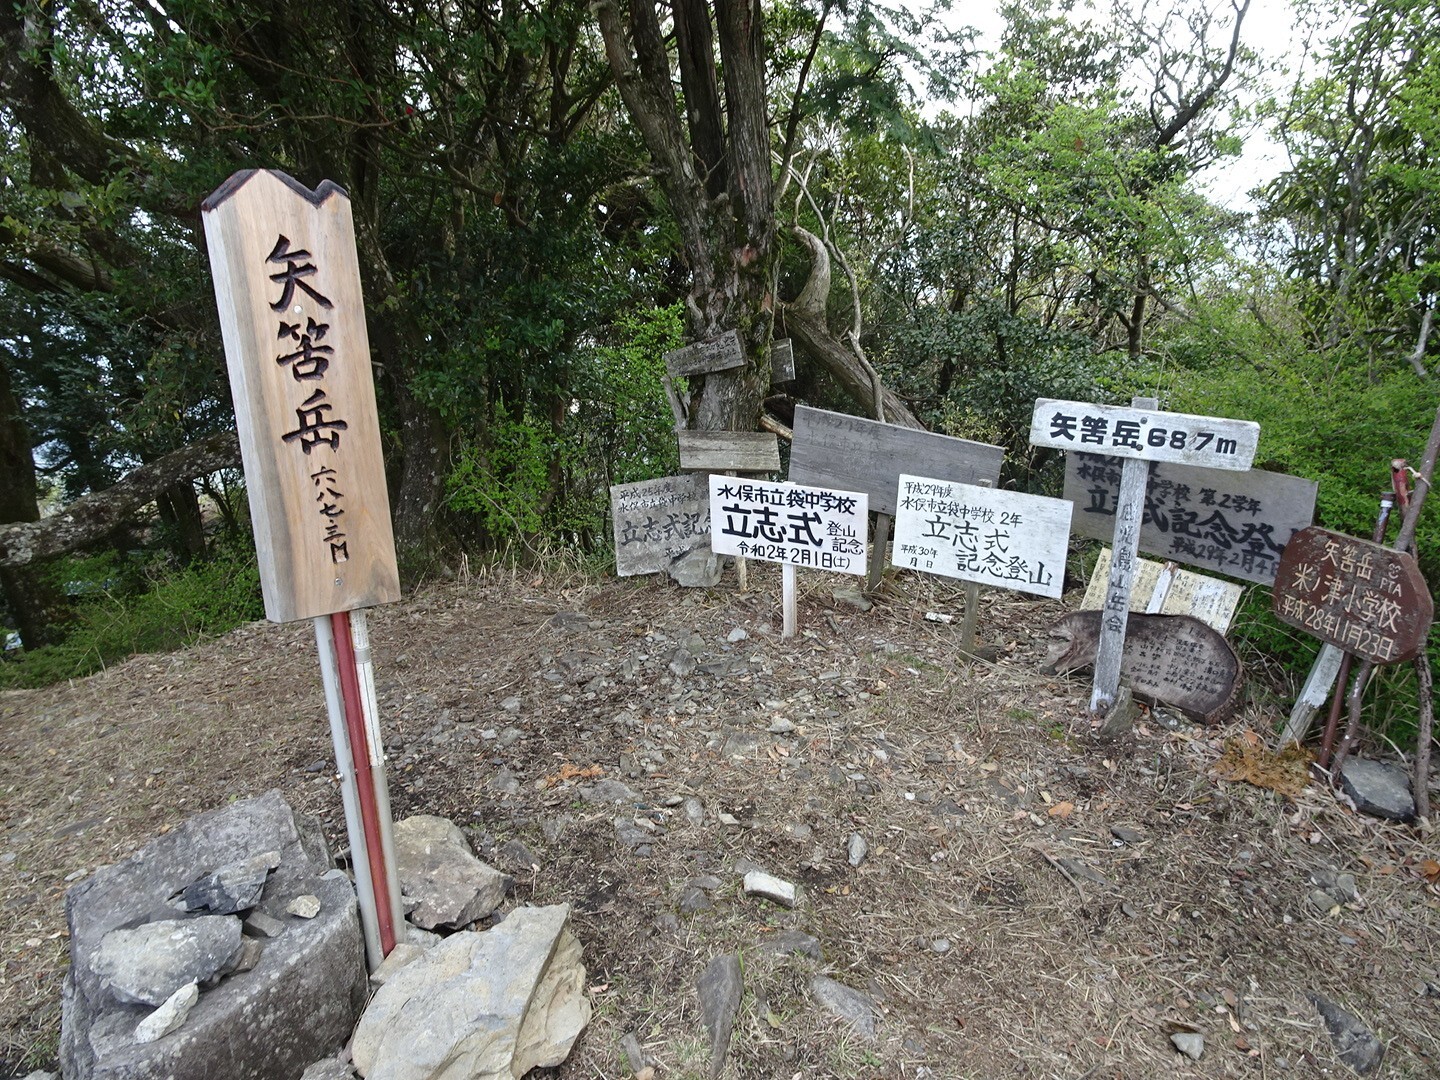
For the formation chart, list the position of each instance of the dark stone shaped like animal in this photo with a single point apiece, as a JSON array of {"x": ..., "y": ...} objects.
[{"x": 1173, "y": 660}]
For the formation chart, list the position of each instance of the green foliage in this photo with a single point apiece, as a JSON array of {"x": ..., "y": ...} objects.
[{"x": 124, "y": 607}]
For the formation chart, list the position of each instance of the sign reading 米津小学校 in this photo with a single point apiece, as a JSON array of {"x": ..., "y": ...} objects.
[
  {"x": 291, "y": 313},
  {"x": 1001, "y": 538},
  {"x": 659, "y": 521},
  {"x": 1144, "y": 434},
  {"x": 813, "y": 528}
]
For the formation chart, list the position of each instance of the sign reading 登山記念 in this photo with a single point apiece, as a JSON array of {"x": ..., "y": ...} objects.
[
  {"x": 659, "y": 521},
  {"x": 815, "y": 528},
  {"x": 288, "y": 288},
  {"x": 1001, "y": 538},
  {"x": 1144, "y": 434}
]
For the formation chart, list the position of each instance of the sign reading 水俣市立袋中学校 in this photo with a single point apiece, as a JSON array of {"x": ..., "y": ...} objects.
[
  {"x": 814, "y": 528},
  {"x": 287, "y": 284},
  {"x": 1145, "y": 434},
  {"x": 1001, "y": 538}
]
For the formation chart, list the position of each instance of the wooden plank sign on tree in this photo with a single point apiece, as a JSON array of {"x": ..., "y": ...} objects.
[
  {"x": 1355, "y": 594},
  {"x": 1145, "y": 434},
  {"x": 782, "y": 361},
  {"x": 724, "y": 353},
  {"x": 1001, "y": 538},
  {"x": 659, "y": 521},
  {"x": 1234, "y": 523},
  {"x": 733, "y": 451},
  {"x": 288, "y": 288}
]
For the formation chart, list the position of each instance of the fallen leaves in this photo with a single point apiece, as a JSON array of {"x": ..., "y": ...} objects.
[
  {"x": 573, "y": 772},
  {"x": 1246, "y": 759}
]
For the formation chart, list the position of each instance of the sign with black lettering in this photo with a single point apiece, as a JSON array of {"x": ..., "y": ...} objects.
[
  {"x": 658, "y": 521},
  {"x": 782, "y": 361},
  {"x": 1144, "y": 434},
  {"x": 1001, "y": 538},
  {"x": 721, "y": 354},
  {"x": 809, "y": 527}
]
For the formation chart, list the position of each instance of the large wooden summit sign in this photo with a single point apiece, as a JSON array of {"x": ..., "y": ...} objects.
[{"x": 288, "y": 287}]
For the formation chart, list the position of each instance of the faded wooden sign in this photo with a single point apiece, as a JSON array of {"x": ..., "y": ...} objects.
[
  {"x": 1233, "y": 523},
  {"x": 287, "y": 285},
  {"x": 1208, "y": 599},
  {"x": 1171, "y": 659},
  {"x": 835, "y": 450},
  {"x": 1001, "y": 538},
  {"x": 782, "y": 361},
  {"x": 721, "y": 354},
  {"x": 811, "y": 527},
  {"x": 722, "y": 451},
  {"x": 1144, "y": 434},
  {"x": 1355, "y": 594},
  {"x": 658, "y": 521}
]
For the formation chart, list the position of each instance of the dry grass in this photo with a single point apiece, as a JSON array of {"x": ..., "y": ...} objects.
[{"x": 1071, "y": 955}]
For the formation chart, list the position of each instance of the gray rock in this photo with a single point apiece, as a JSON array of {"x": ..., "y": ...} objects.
[
  {"x": 856, "y": 849},
  {"x": 329, "y": 1069},
  {"x": 759, "y": 883},
  {"x": 511, "y": 704},
  {"x": 484, "y": 1006},
  {"x": 402, "y": 954},
  {"x": 720, "y": 988},
  {"x": 699, "y": 569},
  {"x": 940, "y": 946},
  {"x": 515, "y": 857},
  {"x": 251, "y": 950},
  {"x": 169, "y": 1016},
  {"x": 569, "y": 621},
  {"x": 780, "y": 726},
  {"x": 1339, "y": 885},
  {"x": 607, "y": 791},
  {"x": 790, "y": 943},
  {"x": 1378, "y": 789},
  {"x": 851, "y": 596},
  {"x": 694, "y": 811},
  {"x": 799, "y": 831},
  {"x": 436, "y": 867},
  {"x": 683, "y": 662},
  {"x": 1126, "y": 835},
  {"x": 736, "y": 635},
  {"x": 249, "y": 1019},
  {"x": 740, "y": 744},
  {"x": 693, "y": 901},
  {"x": 1189, "y": 1043},
  {"x": 629, "y": 834},
  {"x": 145, "y": 966},
  {"x": 1321, "y": 900},
  {"x": 423, "y": 938},
  {"x": 260, "y": 925},
  {"x": 503, "y": 782},
  {"x": 232, "y": 888},
  {"x": 1354, "y": 1042},
  {"x": 304, "y": 907},
  {"x": 855, "y": 1008}
]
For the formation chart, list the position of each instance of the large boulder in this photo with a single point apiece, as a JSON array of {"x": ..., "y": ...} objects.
[
  {"x": 480, "y": 1006},
  {"x": 439, "y": 874},
  {"x": 297, "y": 1003}
]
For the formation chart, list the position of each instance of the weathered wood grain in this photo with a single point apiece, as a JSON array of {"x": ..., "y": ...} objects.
[
  {"x": 782, "y": 361},
  {"x": 659, "y": 521},
  {"x": 723, "y": 353},
  {"x": 719, "y": 451}
]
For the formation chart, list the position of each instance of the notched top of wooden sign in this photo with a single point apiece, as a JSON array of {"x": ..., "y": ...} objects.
[
  {"x": 723, "y": 353},
  {"x": 238, "y": 180}
]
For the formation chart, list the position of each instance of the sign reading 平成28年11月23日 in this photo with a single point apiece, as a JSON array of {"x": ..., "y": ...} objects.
[
  {"x": 1001, "y": 538},
  {"x": 816, "y": 528},
  {"x": 1144, "y": 434}
]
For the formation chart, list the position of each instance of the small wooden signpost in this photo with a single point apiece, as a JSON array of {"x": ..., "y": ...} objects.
[
  {"x": 724, "y": 353},
  {"x": 1355, "y": 594},
  {"x": 287, "y": 285},
  {"x": 1233, "y": 523},
  {"x": 721, "y": 451},
  {"x": 659, "y": 521},
  {"x": 782, "y": 361},
  {"x": 835, "y": 450},
  {"x": 817, "y": 528},
  {"x": 1139, "y": 434}
]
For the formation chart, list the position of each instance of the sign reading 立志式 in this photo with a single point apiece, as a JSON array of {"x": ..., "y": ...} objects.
[{"x": 814, "y": 528}]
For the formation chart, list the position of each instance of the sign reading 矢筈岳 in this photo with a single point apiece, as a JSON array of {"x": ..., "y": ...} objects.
[
  {"x": 815, "y": 528},
  {"x": 1144, "y": 434},
  {"x": 1001, "y": 538},
  {"x": 288, "y": 288}
]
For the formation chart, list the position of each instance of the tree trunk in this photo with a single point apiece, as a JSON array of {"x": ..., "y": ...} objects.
[
  {"x": 179, "y": 509},
  {"x": 419, "y": 540}
]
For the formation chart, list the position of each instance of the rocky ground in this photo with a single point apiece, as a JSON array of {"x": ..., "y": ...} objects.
[{"x": 984, "y": 889}]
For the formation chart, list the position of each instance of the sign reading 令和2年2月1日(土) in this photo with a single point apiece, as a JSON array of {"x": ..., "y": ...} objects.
[
  {"x": 1001, "y": 538},
  {"x": 815, "y": 528},
  {"x": 1144, "y": 434}
]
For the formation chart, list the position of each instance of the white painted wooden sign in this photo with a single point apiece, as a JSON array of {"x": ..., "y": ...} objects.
[
  {"x": 815, "y": 528},
  {"x": 1177, "y": 592},
  {"x": 1002, "y": 538},
  {"x": 288, "y": 288},
  {"x": 1144, "y": 434}
]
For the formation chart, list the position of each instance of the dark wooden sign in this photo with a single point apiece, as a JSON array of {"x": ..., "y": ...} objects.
[
  {"x": 1175, "y": 660},
  {"x": 729, "y": 451},
  {"x": 782, "y": 361},
  {"x": 839, "y": 451},
  {"x": 1234, "y": 523},
  {"x": 1355, "y": 594},
  {"x": 722, "y": 354}
]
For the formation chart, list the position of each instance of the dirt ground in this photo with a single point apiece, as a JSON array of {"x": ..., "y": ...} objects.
[{"x": 1033, "y": 903}]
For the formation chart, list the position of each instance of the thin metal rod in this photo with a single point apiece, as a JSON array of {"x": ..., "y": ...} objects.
[
  {"x": 345, "y": 765},
  {"x": 360, "y": 633}
]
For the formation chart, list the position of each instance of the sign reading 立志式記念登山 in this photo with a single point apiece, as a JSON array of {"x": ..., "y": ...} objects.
[
  {"x": 1001, "y": 538},
  {"x": 1355, "y": 594},
  {"x": 813, "y": 528},
  {"x": 1234, "y": 523},
  {"x": 659, "y": 521},
  {"x": 288, "y": 288},
  {"x": 1144, "y": 434}
]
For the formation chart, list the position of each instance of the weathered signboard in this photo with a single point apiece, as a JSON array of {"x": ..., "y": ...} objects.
[
  {"x": 782, "y": 361},
  {"x": 722, "y": 451},
  {"x": 659, "y": 521},
  {"x": 1144, "y": 434},
  {"x": 1208, "y": 599},
  {"x": 834, "y": 450},
  {"x": 1001, "y": 538},
  {"x": 807, "y": 527},
  {"x": 1171, "y": 659},
  {"x": 1234, "y": 523},
  {"x": 288, "y": 288},
  {"x": 1355, "y": 594},
  {"x": 721, "y": 354}
]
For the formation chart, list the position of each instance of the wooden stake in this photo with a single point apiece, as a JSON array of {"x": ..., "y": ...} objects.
[
  {"x": 787, "y": 600},
  {"x": 877, "y": 562},
  {"x": 1313, "y": 694},
  {"x": 972, "y": 606},
  {"x": 742, "y": 568}
]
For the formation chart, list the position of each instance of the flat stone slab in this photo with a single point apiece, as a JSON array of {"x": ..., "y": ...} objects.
[
  {"x": 148, "y": 964},
  {"x": 855, "y": 1008},
  {"x": 437, "y": 869},
  {"x": 1378, "y": 789},
  {"x": 759, "y": 883},
  {"x": 720, "y": 987}
]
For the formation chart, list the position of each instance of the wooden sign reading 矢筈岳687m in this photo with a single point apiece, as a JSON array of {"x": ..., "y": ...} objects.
[
  {"x": 1144, "y": 434},
  {"x": 816, "y": 528}
]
